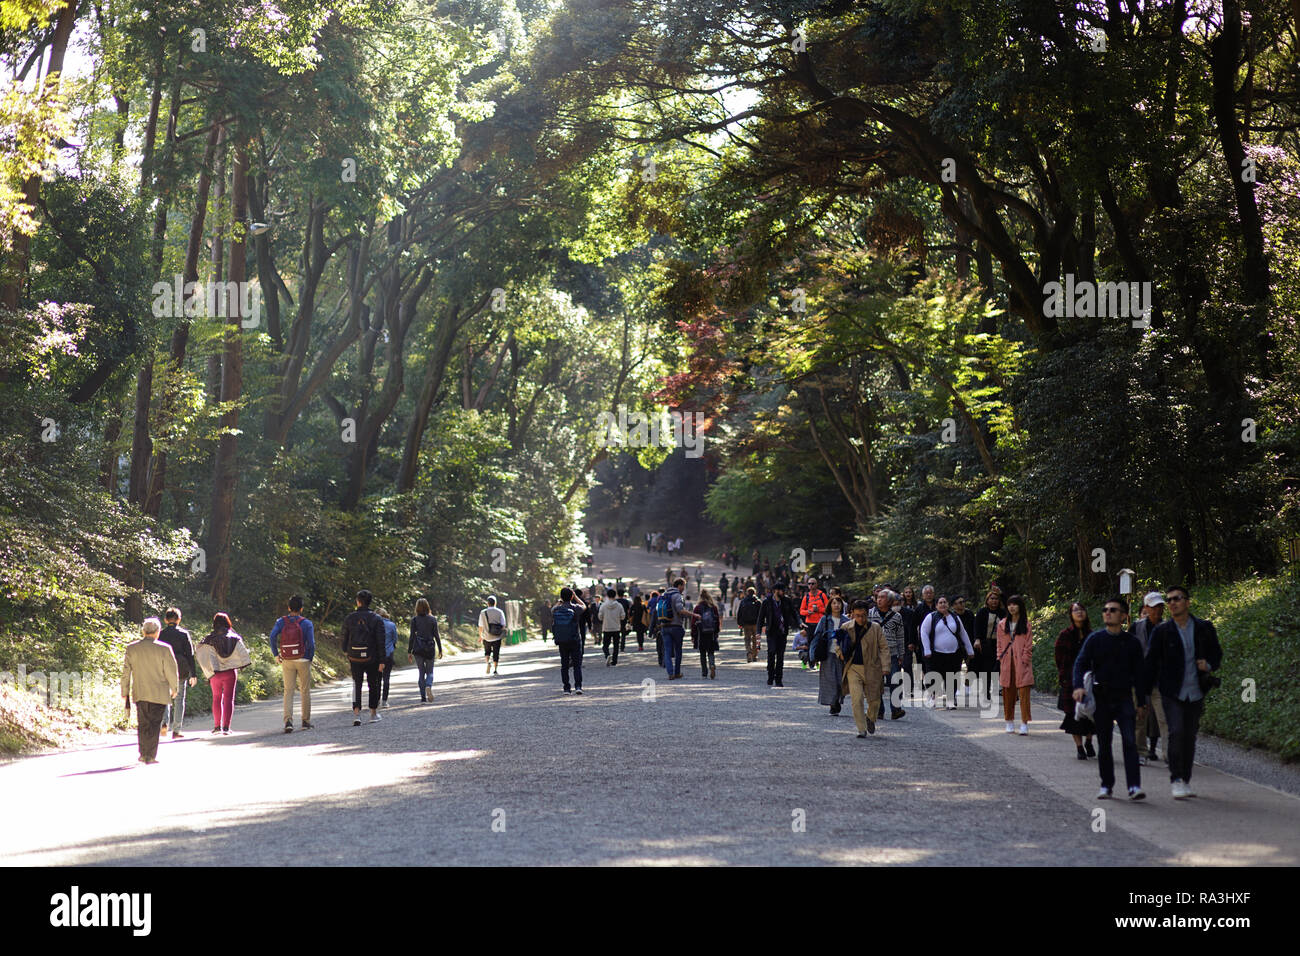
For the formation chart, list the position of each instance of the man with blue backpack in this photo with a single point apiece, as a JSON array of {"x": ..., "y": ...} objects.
[
  {"x": 674, "y": 617},
  {"x": 566, "y": 624}
]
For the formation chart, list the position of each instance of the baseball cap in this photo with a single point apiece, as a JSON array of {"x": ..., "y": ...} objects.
[{"x": 1154, "y": 599}]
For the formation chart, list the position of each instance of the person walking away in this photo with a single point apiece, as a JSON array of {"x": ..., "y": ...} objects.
[
  {"x": 776, "y": 617},
  {"x": 1016, "y": 662},
  {"x": 149, "y": 673},
  {"x": 293, "y": 642},
  {"x": 984, "y": 638},
  {"x": 891, "y": 623},
  {"x": 942, "y": 639},
  {"x": 830, "y": 677},
  {"x": 674, "y": 617},
  {"x": 1156, "y": 727},
  {"x": 627, "y": 618},
  {"x": 226, "y": 655},
  {"x": 423, "y": 647},
  {"x": 543, "y": 617},
  {"x": 705, "y": 627},
  {"x": 1181, "y": 661},
  {"x": 865, "y": 662},
  {"x": 491, "y": 629},
  {"x": 652, "y": 604},
  {"x": 390, "y": 652},
  {"x": 1114, "y": 656},
  {"x": 611, "y": 616},
  {"x": 565, "y": 628},
  {"x": 363, "y": 639},
  {"x": 182, "y": 645},
  {"x": 639, "y": 622},
  {"x": 747, "y": 619},
  {"x": 1068, "y": 644}
]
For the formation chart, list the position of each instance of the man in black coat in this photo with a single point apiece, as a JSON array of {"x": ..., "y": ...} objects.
[
  {"x": 1184, "y": 652},
  {"x": 364, "y": 644},
  {"x": 1114, "y": 656},
  {"x": 187, "y": 672},
  {"x": 777, "y": 616}
]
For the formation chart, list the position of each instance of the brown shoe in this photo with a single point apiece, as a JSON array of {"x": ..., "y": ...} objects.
[{"x": 713, "y": 672}]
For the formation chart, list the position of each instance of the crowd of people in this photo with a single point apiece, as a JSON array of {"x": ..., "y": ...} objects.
[{"x": 1149, "y": 680}]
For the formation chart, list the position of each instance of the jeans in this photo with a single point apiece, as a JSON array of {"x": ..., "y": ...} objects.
[
  {"x": 706, "y": 661},
  {"x": 640, "y": 639},
  {"x": 176, "y": 708},
  {"x": 386, "y": 677},
  {"x": 570, "y": 655},
  {"x": 605, "y": 640},
  {"x": 370, "y": 671},
  {"x": 149, "y": 717},
  {"x": 775, "y": 657},
  {"x": 1183, "y": 718},
  {"x": 424, "y": 665},
  {"x": 673, "y": 637},
  {"x": 1118, "y": 709},
  {"x": 223, "y": 698}
]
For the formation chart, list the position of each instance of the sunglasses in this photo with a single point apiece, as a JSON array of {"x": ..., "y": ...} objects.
[
  {"x": 1112, "y": 610},
  {"x": 1174, "y": 597}
]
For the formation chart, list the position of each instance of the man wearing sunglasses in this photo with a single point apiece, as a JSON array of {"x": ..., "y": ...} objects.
[
  {"x": 1183, "y": 653},
  {"x": 1114, "y": 656}
]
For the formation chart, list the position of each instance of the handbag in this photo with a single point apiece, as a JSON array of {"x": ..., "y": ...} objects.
[{"x": 1086, "y": 708}]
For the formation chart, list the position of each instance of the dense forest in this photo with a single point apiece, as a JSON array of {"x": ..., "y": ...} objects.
[{"x": 307, "y": 297}]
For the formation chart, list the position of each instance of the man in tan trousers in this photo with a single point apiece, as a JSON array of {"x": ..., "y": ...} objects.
[
  {"x": 865, "y": 666},
  {"x": 150, "y": 666}
]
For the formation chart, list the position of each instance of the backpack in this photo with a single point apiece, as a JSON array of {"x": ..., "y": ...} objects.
[
  {"x": 709, "y": 619},
  {"x": 564, "y": 624},
  {"x": 664, "y": 613},
  {"x": 291, "y": 643},
  {"x": 425, "y": 645},
  {"x": 357, "y": 647},
  {"x": 495, "y": 629}
]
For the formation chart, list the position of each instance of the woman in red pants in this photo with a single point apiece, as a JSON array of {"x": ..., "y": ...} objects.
[{"x": 230, "y": 656}]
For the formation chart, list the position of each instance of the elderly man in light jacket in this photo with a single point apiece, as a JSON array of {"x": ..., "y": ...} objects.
[
  {"x": 865, "y": 664},
  {"x": 150, "y": 670}
]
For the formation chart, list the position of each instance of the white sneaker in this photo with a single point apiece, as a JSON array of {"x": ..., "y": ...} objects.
[
  {"x": 1135, "y": 793},
  {"x": 1188, "y": 788},
  {"x": 1011, "y": 728},
  {"x": 952, "y": 705},
  {"x": 377, "y": 717},
  {"x": 1104, "y": 793},
  {"x": 1178, "y": 790},
  {"x": 1024, "y": 729}
]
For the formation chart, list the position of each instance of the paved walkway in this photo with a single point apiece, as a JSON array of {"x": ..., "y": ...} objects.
[{"x": 638, "y": 771}]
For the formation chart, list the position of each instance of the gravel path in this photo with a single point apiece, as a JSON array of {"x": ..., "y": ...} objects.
[{"x": 638, "y": 771}]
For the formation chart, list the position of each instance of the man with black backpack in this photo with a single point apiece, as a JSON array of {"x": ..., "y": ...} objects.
[
  {"x": 293, "y": 642},
  {"x": 777, "y": 616},
  {"x": 363, "y": 642},
  {"x": 674, "y": 617},
  {"x": 747, "y": 619},
  {"x": 491, "y": 629},
  {"x": 566, "y": 623}
]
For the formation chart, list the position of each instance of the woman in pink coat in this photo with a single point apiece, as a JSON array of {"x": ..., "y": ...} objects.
[{"x": 1015, "y": 662}]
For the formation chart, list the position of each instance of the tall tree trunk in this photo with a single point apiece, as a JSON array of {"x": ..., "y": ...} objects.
[
  {"x": 108, "y": 460},
  {"x": 224, "y": 475}
]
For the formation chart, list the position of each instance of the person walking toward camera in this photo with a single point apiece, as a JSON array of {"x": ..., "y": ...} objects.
[
  {"x": 1016, "y": 662},
  {"x": 865, "y": 664},
  {"x": 293, "y": 642},
  {"x": 1181, "y": 661},
  {"x": 1114, "y": 656},
  {"x": 149, "y": 672}
]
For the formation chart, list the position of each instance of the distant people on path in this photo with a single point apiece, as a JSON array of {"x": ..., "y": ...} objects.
[
  {"x": 866, "y": 659},
  {"x": 149, "y": 677},
  {"x": 226, "y": 655},
  {"x": 424, "y": 646},
  {"x": 491, "y": 629},
  {"x": 566, "y": 630},
  {"x": 390, "y": 652},
  {"x": 1016, "y": 663},
  {"x": 1155, "y": 727},
  {"x": 1068, "y": 644},
  {"x": 891, "y": 623},
  {"x": 777, "y": 616},
  {"x": 830, "y": 677},
  {"x": 984, "y": 639},
  {"x": 942, "y": 640},
  {"x": 544, "y": 617},
  {"x": 612, "y": 616},
  {"x": 1181, "y": 661},
  {"x": 1114, "y": 656},
  {"x": 363, "y": 640},
  {"x": 674, "y": 617},
  {"x": 705, "y": 628},
  {"x": 293, "y": 642},
  {"x": 182, "y": 645}
]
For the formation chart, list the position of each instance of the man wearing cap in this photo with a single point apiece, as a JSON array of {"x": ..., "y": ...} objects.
[
  {"x": 776, "y": 616},
  {"x": 1153, "y": 611},
  {"x": 491, "y": 628}
]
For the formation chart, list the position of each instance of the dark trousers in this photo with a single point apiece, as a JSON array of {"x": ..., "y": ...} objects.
[
  {"x": 672, "y": 656},
  {"x": 1184, "y": 719},
  {"x": 946, "y": 665},
  {"x": 386, "y": 678},
  {"x": 1117, "y": 709},
  {"x": 570, "y": 656},
  {"x": 640, "y": 639},
  {"x": 370, "y": 671},
  {"x": 895, "y": 667},
  {"x": 659, "y": 647},
  {"x": 610, "y": 637},
  {"x": 706, "y": 661},
  {"x": 492, "y": 649},
  {"x": 148, "y": 718},
  {"x": 425, "y": 667},
  {"x": 775, "y": 657}
]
